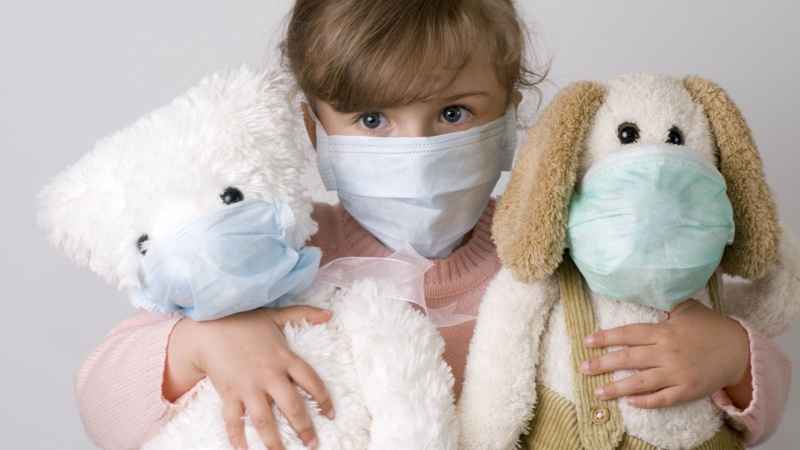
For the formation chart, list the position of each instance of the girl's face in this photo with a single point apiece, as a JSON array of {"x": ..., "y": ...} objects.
[{"x": 475, "y": 97}]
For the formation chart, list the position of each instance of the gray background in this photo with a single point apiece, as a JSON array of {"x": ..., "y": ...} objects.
[{"x": 75, "y": 71}]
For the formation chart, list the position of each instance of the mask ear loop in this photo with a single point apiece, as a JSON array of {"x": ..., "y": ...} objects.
[
  {"x": 511, "y": 140},
  {"x": 323, "y": 151}
]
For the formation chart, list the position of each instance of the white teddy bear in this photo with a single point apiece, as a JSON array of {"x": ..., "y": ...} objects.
[{"x": 145, "y": 207}]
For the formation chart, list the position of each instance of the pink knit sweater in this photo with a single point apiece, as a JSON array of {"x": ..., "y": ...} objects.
[{"x": 119, "y": 386}]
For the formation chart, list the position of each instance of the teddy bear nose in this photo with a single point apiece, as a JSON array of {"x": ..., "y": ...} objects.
[
  {"x": 140, "y": 243},
  {"x": 231, "y": 195}
]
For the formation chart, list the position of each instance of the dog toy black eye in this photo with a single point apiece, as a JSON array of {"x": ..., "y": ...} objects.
[
  {"x": 140, "y": 244},
  {"x": 628, "y": 133},
  {"x": 675, "y": 136},
  {"x": 231, "y": 196}
]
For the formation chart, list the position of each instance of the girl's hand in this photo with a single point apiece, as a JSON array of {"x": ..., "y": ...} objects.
[
  {"x": 247, "y": 359},
  {"x": 691, "y": 355}
]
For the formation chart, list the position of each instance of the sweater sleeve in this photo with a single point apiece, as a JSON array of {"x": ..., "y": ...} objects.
[
  {"x": 119, "y": 386},
  {"x": 771, "y": 374}
]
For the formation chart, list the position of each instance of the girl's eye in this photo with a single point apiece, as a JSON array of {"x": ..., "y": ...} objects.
[
  {"x": 455, "y": 114},
  {"x": 371, "y": 121}
]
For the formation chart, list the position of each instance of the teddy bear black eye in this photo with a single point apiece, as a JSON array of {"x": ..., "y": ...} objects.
[
  {"x": 675, "y": 136},
  {"x": 140, "y": 244},
  {"x": 231, "y": 196},
  {"x": 628, "y": 133}
]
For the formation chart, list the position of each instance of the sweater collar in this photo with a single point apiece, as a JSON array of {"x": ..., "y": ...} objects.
[{"x": 468, "y": 266}]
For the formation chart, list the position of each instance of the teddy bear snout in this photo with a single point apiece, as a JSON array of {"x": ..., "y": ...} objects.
[{"x": 141, "y": 244}]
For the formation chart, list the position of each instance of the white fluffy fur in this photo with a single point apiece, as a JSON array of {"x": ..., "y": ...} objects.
[
  {"x": 381, "y": 362},
  {"x": 380, "y": 359},
  {"x": 499, "y": 392},
  {"x": 516, "y": 321}
]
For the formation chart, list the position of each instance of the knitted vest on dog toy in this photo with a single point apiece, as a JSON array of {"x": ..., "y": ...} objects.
[{"x": 591, "y": 423}]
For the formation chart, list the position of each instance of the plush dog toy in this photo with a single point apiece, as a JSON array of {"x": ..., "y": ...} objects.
[
  {"x": 196, "y": 208},
  {"x": 607, "y": 169}
]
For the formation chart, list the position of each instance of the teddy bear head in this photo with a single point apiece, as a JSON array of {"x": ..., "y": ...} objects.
[
  {"x": 227, "y": 140},
  {"x": 589, "y": 122}
]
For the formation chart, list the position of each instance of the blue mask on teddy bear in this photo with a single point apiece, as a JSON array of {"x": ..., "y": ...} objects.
[
  {"x": 233, "y": 260},
  {"x": 649, "y": 225}
]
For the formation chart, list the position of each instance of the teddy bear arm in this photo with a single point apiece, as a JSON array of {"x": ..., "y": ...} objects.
[
  {"x": 499, "y": 394},
  {"x": 397, "y": 356},
  {"x": 770, "y": 304}
]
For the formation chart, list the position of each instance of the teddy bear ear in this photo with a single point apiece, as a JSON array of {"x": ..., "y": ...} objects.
[
  {"x": 755, "y": 246},
  {"x": 77, "y": 209},
  {"x": 530, "y": 221}
]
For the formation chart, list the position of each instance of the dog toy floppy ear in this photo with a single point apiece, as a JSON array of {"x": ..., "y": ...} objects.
[
  {"x": 530, "y": 222},
  {"x": 755, "y": 247}
]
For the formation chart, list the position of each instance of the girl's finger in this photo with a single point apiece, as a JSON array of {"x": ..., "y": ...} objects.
[
  {"x": 232, "y": 413},
  {"x": 630, "y": 335},
  {"x": 296, "y": 314},
  {"x": 663, "y": 398},
  {"x": 640, "y": 383},
  {"x": 259, "y": 409},
  {"x": 628, "y": 358},
  {"x": 291, "y": 403},
  {"x": 307, "y": 378}
]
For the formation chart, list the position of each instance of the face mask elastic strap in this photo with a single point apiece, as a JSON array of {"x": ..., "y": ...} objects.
[
  {"x": 326, "y": 171},
  {"x": 510, "y": 146}
]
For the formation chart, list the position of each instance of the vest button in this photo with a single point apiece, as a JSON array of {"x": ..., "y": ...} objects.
[{"x": 600, "y": 415}]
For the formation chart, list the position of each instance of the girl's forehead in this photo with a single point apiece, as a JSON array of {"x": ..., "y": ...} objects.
[
  {"x": 478, "y": 75},
  {"x": 476, "y": 78}
]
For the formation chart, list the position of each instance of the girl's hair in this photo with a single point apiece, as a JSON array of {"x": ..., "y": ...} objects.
[{"x": 359, "y": 54}]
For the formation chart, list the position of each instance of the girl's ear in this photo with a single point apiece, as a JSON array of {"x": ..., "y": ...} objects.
[
  {"x": 311, "y": 126},
  {"x": 531, "y": 218},
  {"x": 755, "y": 246}
]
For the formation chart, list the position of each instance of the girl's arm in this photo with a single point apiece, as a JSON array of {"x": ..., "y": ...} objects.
[
  {"x": 756, "y": 406},
  {"x": 118, "y": 387},
  {"x": 127, "y": 387},
  {"x": 767, "y": 307}
]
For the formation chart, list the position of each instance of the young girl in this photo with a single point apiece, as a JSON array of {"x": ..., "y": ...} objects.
[{"x": 390, "y": 69}]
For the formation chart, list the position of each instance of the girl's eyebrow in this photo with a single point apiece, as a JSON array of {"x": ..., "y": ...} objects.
[{"x": 465, "y": 94}]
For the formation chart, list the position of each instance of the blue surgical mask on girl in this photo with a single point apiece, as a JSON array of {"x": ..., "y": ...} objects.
[
  {"x": 650, "y": 224},
  {"x": 427, "y": 192},
  {"x": 233, "y": 260}
]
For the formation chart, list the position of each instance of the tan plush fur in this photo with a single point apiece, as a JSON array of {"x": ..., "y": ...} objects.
[
  {"x": 755, "y": 247},
  {"x": 531, "y": 218}
]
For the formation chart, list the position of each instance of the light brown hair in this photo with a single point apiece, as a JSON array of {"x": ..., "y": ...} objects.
[{"x": 360, "y": 54}]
